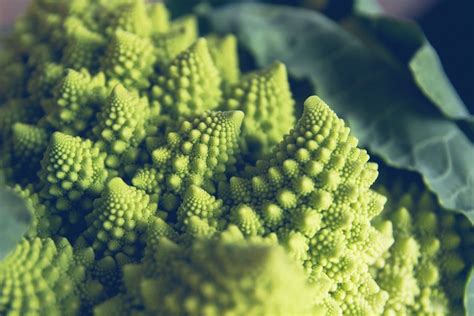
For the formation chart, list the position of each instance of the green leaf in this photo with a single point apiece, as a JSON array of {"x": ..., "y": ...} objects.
[
  {"x": 405, "y": 40},
  {"x": 469, "y": 295},
  {"x": 14, "y": 219},
  {"x": 367, "y": 7},
  {"x": 385, "y": 109}
]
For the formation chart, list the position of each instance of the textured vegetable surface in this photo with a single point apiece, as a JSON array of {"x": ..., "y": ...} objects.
[
  {"x": 341, "y": 68},
  {"x": 162, "y": 181},
  {"x": 423, "y": 270}
]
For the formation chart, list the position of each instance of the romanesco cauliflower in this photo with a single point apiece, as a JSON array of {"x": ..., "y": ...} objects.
[{"x": 162, "y": 181}]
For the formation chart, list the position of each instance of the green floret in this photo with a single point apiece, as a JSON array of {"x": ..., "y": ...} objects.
[
  {"x": 224, "y": 54},
  {"x": 265, "y": 97},
  {"x": 424, "y": 269},
  {"x": 170, "y": 44},
  {"x": 188, "y": 22},
  {"x": 17, "y": 111},
  {"x": 121, "y": 126},
  {"x": 43, "y": 80},
  {"x": 118, "y": 221},
  {"x": 159, "y": 18},
  {"x": 315, "y": 194},
  {"x": 190, "y": 84},
  {"x": 201, "y": 148},
  {"x": 131, "y": 17},
  {"x": 75, "y": 101},
  {"x": 72, "y": 173},
  {"x": 200, "y": 214},
  {"x": 229, "y": 276},
  {"x": 28, "y": 145},
  {"x": 82, "y": 46},
  {"x": 129, "y": 59},
  {"x": 72, "y": 166},
  {"x": 46, "y": 277},
  {"x": 43, "y": 224}
]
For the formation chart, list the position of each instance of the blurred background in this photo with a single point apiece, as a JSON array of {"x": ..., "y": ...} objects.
[{"x": 9, "y": 9}]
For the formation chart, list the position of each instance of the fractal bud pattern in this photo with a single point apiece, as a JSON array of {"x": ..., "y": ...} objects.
[{"x": 164, "y": 181}]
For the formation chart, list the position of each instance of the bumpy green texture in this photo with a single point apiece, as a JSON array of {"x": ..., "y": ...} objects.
[
  {"x": 200, "y": 214},
  {"x": 129, "y": 58},
  {"x": 423, "y": 271},
  {"x": 70, "y": 167},
  {"x": 72, "y": 173},
  {"x": 82, "y": 45},
  {"x": 28, "y": 143},
  {"x": 118, "y": 221},
  {"x": 185, "y": 187},
  {"x": 44, "y": 277},
  {"x": 121, "y": 126},
  {"x": 315, "y": 194},
  {"x": 43, "y": 80},
  {"x": 243, "y": 278},
  {"x": 131, "y": 17},
  {"x": 169, "y": 44},
  {"x": 74, "y": 102},
  {"x": 222, "y": 50},
  {"x": 265, "y": 97},
  {"x": 176, "y": 90},
  {"x": 16, "y": 111},
  {"x": 197, "y": 150}
]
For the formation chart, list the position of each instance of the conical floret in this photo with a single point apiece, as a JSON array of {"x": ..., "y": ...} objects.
[
  {"x": 118, "y": 221},
  {"x": 265, "y": 97},
  {"x": 82, "y": 46},
  {"x": 198, "y": 205},
  {"x": 28, "y": 145},
  {"x": 230, "y": 276},
  {"x": 199, "y": 149},
  {"x": 129, "y": 59},
  {"x": 427, "y": 252},
  {"x": 225, "y": 56},
  {"x": 74, "y": 101},
  {"x": 320, "y": 181},
  {"x": 121, "y": 125},
  {"x": 46, "y": 277},
  {"x": 190, "y": 84},
  {"x": 71, "y": 166}
]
